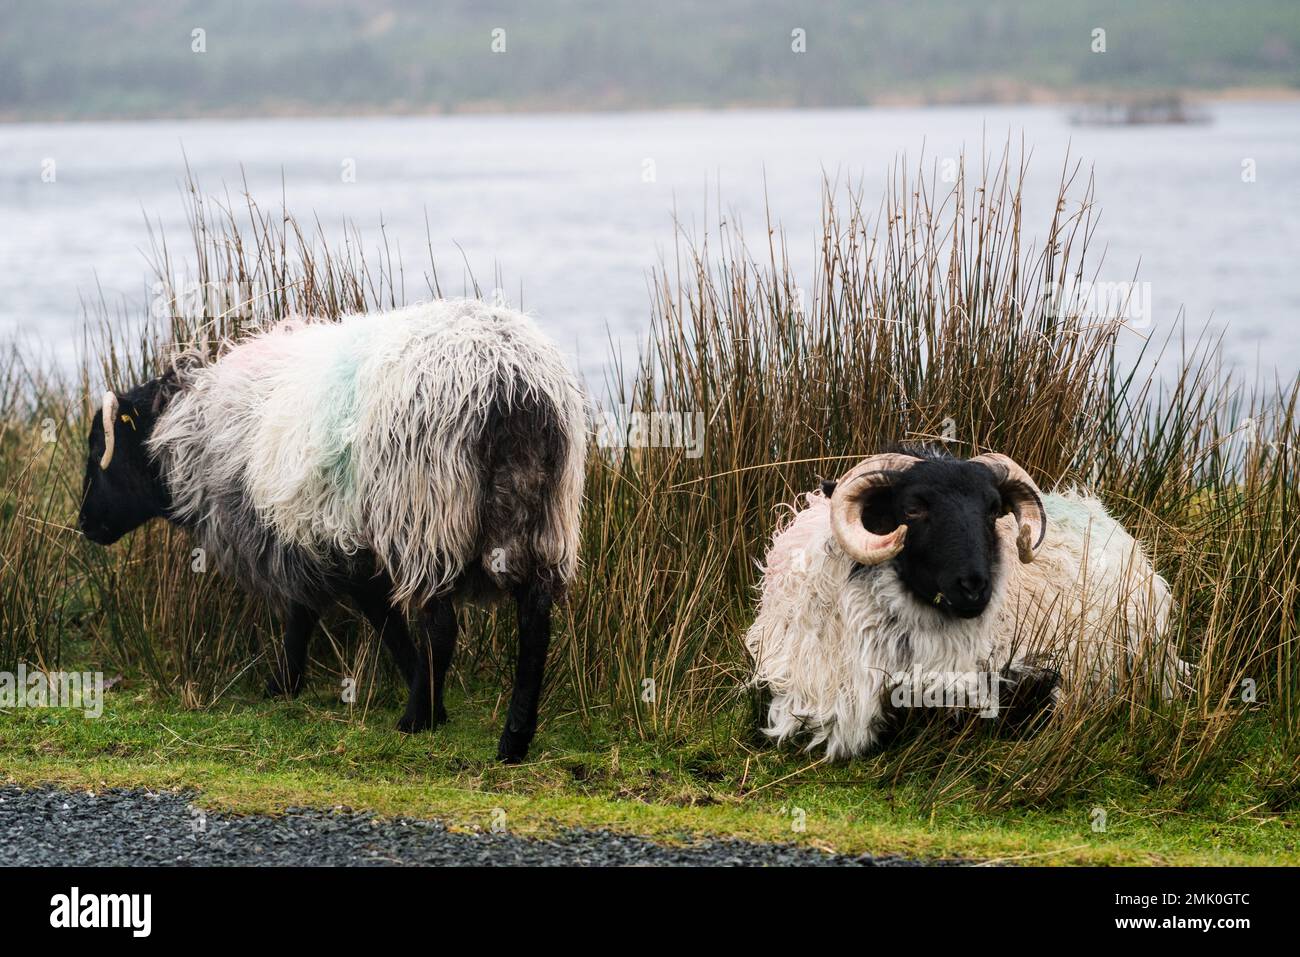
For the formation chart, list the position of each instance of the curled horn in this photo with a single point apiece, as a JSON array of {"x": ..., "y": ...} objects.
[
  {"x": 847, "y": 502},
  {"x": 109, "y": 415},
  {"x": 1025, "y": 499}
]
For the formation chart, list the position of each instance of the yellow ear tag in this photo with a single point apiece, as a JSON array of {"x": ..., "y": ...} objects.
[{"x": 130, "y": 421}]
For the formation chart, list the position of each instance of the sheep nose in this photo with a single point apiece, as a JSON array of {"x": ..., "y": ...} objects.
[{"x": 973, "y": 585}]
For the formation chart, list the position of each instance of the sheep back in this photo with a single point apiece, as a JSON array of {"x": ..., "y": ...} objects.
[{"x": 439, "y": 442}]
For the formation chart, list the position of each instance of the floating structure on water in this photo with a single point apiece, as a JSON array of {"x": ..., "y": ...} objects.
[{"x": 1170, "y": 108}]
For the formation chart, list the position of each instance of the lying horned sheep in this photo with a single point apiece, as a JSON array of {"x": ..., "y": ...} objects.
[
  {"x": 919, "y": 577},
  {"x": 404, "y": 459}
]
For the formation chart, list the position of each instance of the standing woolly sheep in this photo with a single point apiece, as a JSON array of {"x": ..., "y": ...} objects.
[
  {"x": 402, "y": 460},
  {"x": 922, "y": 578}
]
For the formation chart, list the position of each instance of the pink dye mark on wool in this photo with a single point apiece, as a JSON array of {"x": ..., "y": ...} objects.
[{"x": 262, "y": 349}]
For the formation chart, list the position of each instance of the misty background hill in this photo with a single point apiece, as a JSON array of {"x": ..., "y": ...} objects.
[{"x": 61, "y": 59}]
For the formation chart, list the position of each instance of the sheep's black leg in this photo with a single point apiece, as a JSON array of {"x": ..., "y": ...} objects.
[
  {"x": 372, "y": 599},
  {"x": 534, "y": 602},
  {"x": 897, "y": 724},
  {"x": 439, "y": 620},
  {"x": 291, "y": 663},
  {"x": 1026, "y": 697}
]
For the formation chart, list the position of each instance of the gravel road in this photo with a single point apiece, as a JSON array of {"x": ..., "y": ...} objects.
[{"x": 52, "y": 827}]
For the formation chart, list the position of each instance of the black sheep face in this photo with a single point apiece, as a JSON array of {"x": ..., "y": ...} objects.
[
  {"x": 130, "y": 492},
  {"x": 951, "y": 557}
]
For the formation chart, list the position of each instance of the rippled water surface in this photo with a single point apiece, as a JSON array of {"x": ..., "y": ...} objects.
[{"x": 559, "y": 206}]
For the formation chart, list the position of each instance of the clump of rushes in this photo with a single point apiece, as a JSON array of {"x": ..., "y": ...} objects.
[{"x": 930, "y": 318}]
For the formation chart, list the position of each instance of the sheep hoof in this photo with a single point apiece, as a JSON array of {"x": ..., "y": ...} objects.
[
  {"x": 440, "y": 717},
  {"x": 414, "y": 723},
  {"x": 513, "y": 747},
  {"x": 278, "y": 687}
]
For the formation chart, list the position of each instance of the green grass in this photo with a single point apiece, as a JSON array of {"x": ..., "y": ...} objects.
[{"x": 247, "y": 755}]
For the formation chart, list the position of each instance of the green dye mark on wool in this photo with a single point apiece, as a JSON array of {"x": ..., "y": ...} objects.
[
  {"x": 340, "y": 408},
  {"x": 1072, "y": 512}
]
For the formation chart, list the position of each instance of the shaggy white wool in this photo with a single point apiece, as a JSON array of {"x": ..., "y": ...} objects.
[
  {"x": 366, "y": 434},
  {"x": 831, "y": 635},
  {"x": 1091, "y": 600}
]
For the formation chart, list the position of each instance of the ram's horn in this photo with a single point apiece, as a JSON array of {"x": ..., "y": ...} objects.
[
  {"x": 847, "y": 502},
  {"x": 109, "y": 415},
  {"x": 1026, "y": 502}
]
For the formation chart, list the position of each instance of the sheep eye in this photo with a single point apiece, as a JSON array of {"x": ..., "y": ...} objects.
[{"x": 914, "y": 512}]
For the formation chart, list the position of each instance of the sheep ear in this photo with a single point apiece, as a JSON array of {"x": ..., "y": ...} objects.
[
  {"x": 1021, "y": 496},
  {"x": 828, "y": 487}
]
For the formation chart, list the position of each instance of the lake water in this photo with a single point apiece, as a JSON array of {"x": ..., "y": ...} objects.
[{"x": 559, "y": 207}]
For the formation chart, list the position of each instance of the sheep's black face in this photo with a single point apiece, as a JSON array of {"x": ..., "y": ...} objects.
[
  {"x": 129, "y": 492},
  {"x": 950, "y": 507}
]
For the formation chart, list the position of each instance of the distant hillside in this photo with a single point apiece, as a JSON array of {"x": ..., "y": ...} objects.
[{"x": 130, "y": 59}]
